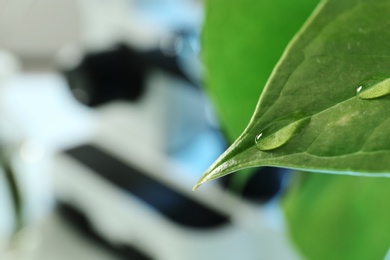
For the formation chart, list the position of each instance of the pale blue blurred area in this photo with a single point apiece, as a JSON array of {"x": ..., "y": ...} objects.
[{"x": 173, "y": 13}]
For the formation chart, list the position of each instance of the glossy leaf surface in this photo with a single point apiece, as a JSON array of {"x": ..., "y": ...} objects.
[{"x": 343, "y": 45}]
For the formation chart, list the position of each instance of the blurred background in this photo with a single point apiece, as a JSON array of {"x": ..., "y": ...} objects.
[{"x": 105, "y": 129}]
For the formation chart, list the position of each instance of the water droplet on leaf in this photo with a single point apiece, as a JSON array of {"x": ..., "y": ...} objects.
[
  {"x": 270, "y": 139},
  {"x": 374, "y": 89}
]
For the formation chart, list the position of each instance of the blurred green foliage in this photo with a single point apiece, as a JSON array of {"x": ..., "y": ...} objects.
[
  {"x": 242, "y": 41},
  {"x": 339, "y": 217}
]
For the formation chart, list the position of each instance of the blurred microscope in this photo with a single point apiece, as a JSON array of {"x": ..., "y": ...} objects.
[{"x": 108, "y": 126}]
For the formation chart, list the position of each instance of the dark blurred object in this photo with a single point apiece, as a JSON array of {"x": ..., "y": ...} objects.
[
  {"x": 119, "y": 202},
  {"x": 108, "y": 75},
  {"x": 263, "y": 184},
  {"x": 120, "y": 73},
  {"x": 83, "y": 226},
  {"x": 173, "y": 205}
]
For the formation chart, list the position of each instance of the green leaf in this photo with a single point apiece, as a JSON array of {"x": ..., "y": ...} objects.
[
  {"x": 339, "y": 217},
  {"x": 342, "y": 49},
  {"x": 242, "y": 41}
]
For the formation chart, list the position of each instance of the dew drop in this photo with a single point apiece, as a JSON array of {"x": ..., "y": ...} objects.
[
  {"x": 374, "y": 89},
  {"x": 268, "y": 139}
]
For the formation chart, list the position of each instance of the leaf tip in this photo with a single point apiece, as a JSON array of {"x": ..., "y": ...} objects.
[
  {"x": 196, "y": 186},
  {"x": 207, "y": 176},
  {"x": 224, "y": 165},
  {"x": 202, "y": 180}
]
